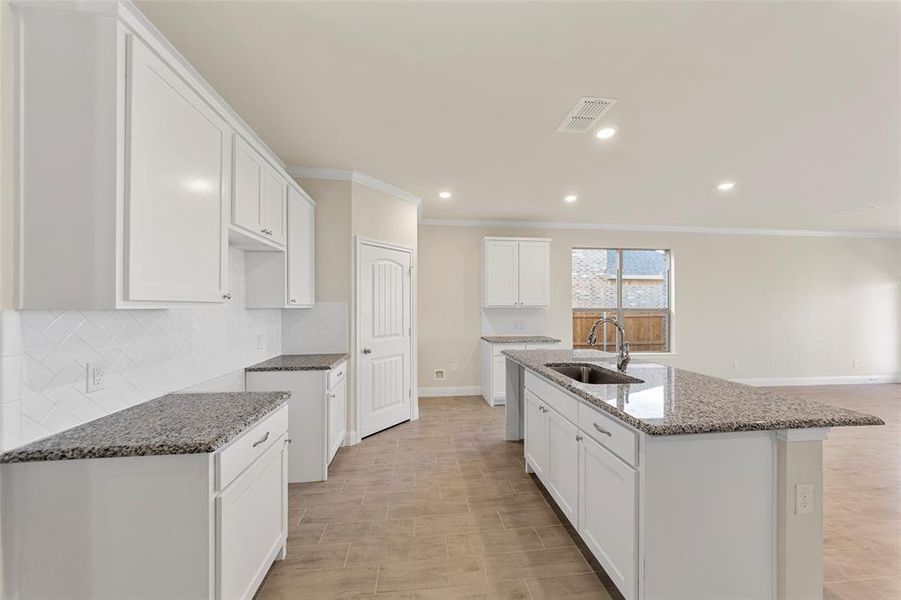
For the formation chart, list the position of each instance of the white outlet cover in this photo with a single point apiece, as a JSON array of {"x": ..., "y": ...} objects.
[
  {"x": 803, "y": 498},
  {"x": 95, "y": 376}
]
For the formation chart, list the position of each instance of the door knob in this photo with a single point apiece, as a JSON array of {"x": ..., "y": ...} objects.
[{"x": 367, "y": 351}]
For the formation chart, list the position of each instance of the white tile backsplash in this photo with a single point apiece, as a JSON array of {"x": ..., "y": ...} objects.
[
  {"x": 512, "y": 321},
  {"x": 321, "y": 329},
  {"x": 148, "y": 353}
]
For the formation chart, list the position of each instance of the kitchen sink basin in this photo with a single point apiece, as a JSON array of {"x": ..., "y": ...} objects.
[{"x": 591, "y": 374}]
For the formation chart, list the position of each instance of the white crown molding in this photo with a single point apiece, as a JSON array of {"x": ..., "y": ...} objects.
[
  {"x": 441, "y": 392},
  {"x": 659, "y": 228},
  {"x": 833, "y": 380},
  {"x": 356, "y": 177}
]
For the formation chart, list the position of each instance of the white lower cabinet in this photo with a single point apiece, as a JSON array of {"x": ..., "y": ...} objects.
[
  {"x": 199, "y": 526},
  {"x": 494, "y": 367},
  {"x": 563, "y": 464},
  {"x": 318, "y": 416},
  {"x": 536, "y": 440},
  {"x": 608, "y": 523},
  {"x": 249, "y": 518}
]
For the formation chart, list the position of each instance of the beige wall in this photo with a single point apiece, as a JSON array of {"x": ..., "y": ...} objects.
[
  {"x": 344, "y": 212},
  {"x": 778, "y": 306}
]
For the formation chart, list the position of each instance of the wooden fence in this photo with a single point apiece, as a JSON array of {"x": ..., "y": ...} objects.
[{"x": 646, "y": 330}]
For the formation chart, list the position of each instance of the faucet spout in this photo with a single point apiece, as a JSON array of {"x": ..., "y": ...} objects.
[{"x": 623, "y": 356}]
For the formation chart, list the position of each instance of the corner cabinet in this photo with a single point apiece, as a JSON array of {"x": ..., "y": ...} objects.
[{"x": 515, "y": 272}]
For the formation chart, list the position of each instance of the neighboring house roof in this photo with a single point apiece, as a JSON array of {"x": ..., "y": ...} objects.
[{"x": 644, "y": 262}]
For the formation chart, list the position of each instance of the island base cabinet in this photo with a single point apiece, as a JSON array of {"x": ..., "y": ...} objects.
[
  {"x": 536, "y": 435},
  {"x": 250, "y": 520},
  {"x": 608, "y": 522},
  {"x": 563, "y": 464}
]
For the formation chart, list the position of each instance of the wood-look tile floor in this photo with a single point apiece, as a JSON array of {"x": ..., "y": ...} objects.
[
  {"x": 441, "y": 509},
  {"x": 862, "y": 494}
]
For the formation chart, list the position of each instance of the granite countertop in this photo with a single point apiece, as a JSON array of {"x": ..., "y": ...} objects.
[
  {"x": 300, "y": 362},
  {"x": 519, "y": 339},
  {"x": 171, "y": 424},
  {"x": 673, "y": 401}
]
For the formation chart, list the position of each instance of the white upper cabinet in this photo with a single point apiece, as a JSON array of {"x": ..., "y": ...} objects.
[
  {"x": 133, "y": 175},
  {"x": 258, "y": 201},
  {"x": 286, "y": 279},
  {"x": 515, "y": 272},
  {"x": 301, "y": 250},
  {"x": 177, "y": 186}
]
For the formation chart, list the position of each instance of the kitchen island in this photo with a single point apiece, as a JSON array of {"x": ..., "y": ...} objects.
[{"x": 680, "y": 484}]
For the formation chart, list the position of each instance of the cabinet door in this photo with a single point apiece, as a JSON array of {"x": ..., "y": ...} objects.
[
  {"x": 563, "y": 464},
  {"x": 534, "y": 273},
  {"x": 608, "y": 520},
  {"x": 251, "y": 524},
  {"x": 337, "y": 417},
  {"x": 501, "y": 273},
  {"x": 536, "y": 440},
  {"x": 177, "y": 187},
  {"x": 247, "y": 187},
  {"x": 274, "y": 196},
  {"x": 301, "y": 250}
]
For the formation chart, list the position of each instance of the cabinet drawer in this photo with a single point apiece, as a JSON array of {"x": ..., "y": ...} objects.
[
  {"x": 609, "y": 433},
  {"x": 238, "y": 455},
  {"x": 337, "y": 374},
  {"x": 553, "y": 396}
]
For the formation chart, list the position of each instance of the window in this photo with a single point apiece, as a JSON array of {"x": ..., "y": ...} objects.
[{"x": 632, "y": 286}]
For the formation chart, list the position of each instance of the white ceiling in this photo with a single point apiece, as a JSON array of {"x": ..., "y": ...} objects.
[{"x": 798, "y": 102}]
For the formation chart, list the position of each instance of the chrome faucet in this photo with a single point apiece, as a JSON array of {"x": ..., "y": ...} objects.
[{"x": 623, "y": 350}]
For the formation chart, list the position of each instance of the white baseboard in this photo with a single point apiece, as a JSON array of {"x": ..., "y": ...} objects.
[
  {"x": 351, "y": 439},
  {"x": 834, "y": 380},
  {"x": 438, "y": 392}
]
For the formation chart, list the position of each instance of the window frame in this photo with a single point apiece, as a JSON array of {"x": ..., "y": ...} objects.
[{"x": 669, "y": 278}]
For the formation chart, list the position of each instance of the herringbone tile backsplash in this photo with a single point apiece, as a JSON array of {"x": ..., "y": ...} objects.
[{"x": 148, "y": 353}]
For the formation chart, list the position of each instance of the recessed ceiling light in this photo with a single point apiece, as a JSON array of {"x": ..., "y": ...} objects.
[
  {"x": 444, "y": 195},
  {"x": 726, "y": 186},
  {"x": 571, "y": 198},
  {"x": 606, "y": 133}
]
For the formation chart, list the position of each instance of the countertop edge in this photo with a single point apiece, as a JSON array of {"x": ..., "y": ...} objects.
[
  {"x": 23, "y": 455},
  {"x": 712, "y": 427},
  {"x": 320, "y": 367}
]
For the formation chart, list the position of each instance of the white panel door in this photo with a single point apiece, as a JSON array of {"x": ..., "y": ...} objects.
[
  {"x": 384, "y": 338},
  {"x": 534, "y": 273},
  {"x": 301, "y": 250},
  {"x": 247, "y": 187},
  {"x": 177, "y": 186},
  {"x": 563, "y": 464},
  {"x": 274, "y": 194},
  {"x": 536, "y": 435},
  {"x": 501, "y": 277},
  {"x": 607, "y": 514}
]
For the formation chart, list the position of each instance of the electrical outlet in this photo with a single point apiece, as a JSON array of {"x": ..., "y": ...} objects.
[
  {"x": 439, "y": 374},
  {"x": 259, "y": 341},
  {"x": 734, "y": 365},
  {"x": 447, "y": 326},
  {"x": 803, "y": 498},
  {"x": 453, "y": 368},
  {"x": 856, "y": 363},
  {"x": 95, "y": 375}
]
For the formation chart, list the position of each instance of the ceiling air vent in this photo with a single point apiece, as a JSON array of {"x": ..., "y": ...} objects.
[{"x": 585, "y": 114}]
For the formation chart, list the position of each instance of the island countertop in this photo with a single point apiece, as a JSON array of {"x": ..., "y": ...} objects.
[
  {"x": 673, "y": 401},
  {"x": 300, "y": 362},
  {"x": 171, "y": 424}
]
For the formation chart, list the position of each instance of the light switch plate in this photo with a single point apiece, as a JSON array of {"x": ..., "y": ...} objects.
[{"x": 95, "y": 374}]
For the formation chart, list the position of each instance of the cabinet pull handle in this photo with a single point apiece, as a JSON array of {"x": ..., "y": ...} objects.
[
  {"x": 331, "y": 395},
  {"x": 227, "y": 296},
  {"x": 289, "y": 440},
  {"x": 578, "y": 437},
  {"x": 367, "y": 351},
  {"x": 600, "y": 430},
  {"x": 293, "y": 300},
  {"x": 261, "y": 440}
]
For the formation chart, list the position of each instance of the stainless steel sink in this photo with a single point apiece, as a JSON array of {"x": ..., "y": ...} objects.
[{"x": 585, "y": 373}]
